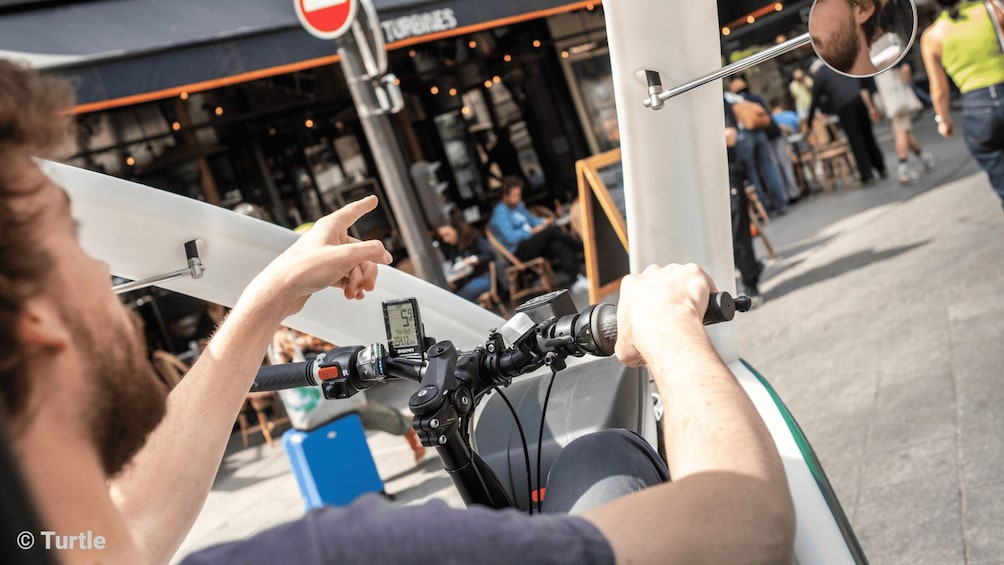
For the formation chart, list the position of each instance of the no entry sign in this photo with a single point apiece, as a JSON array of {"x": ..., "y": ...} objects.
[{"x": 326, "y": 19}]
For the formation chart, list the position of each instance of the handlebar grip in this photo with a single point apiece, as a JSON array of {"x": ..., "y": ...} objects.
[
  {"x": 606, "y": 329},
  {"x": 721, "y": 308},
  {"x": 281, "y": 377}
]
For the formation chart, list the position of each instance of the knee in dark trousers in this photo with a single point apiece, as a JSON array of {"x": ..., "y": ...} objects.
[{"x": 601, "y": 467}]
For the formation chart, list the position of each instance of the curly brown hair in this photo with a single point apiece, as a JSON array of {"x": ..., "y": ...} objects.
[{"x": 34, "y": 122}]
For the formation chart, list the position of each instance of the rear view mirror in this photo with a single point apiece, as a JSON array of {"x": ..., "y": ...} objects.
[{"x": 862, "y": 38}]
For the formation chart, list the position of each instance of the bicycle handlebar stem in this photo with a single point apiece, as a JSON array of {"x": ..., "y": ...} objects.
[{"x": 439, "y": 405}]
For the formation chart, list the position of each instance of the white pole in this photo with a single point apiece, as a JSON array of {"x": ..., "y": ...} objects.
[{"x": 675, "y": 163}]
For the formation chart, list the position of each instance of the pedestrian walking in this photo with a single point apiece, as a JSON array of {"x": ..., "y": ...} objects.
[{"x": 965, "y": 43}]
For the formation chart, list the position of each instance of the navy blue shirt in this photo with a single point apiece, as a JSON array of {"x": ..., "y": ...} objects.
[{"x": 372, "y": 531}]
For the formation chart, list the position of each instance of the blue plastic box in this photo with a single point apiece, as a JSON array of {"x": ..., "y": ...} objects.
[{"x": 332, "y": 464}]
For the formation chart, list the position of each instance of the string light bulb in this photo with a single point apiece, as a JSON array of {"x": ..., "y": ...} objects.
[
  {"x": 309, "y": 123},
  {"x": 434, "y": 90},
  {"x": 218, "y": 111},
  {"x": 507, "y": 58},
  {"x": 536, "y": 43},
  {"x": 176, "y": 126},
  {"x": 453, "y": 92},
  {"x": 183, "y": 96},
  {"x": 130, "y": 160}
]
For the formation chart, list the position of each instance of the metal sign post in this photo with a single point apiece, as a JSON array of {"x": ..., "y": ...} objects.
[{"x": 364, "y": 63}]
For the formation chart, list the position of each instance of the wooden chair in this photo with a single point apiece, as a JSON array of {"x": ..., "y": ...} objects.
[
  {"x": 757, "y": 216},
  {"x": 832, "y": 152},
  {"x": 261, "y": 402},
  {"x": 525, "y": 278},
  {"x": 489, "y": 299},
  {"x": 757, "y": 211},
  {"x": 169, "y": 368}
]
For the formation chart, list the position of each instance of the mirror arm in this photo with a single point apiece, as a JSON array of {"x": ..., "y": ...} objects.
[
  {"x": 195, "y": 270},
  {"x": 657, "y": 96}
]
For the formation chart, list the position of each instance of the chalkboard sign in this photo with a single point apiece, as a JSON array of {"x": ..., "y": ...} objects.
[{"x": 603, "y": 228}]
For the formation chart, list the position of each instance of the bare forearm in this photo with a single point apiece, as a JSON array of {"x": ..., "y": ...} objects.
[
  {"x": 713, "y": 426},
  {"x": 728, "y": 501},
  {"x": 163, "y": 491},
  {"x": 931, "y": 49}
]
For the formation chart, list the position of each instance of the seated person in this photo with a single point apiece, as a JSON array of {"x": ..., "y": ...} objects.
[
  {"x": 468, "y": 255},
  {"x": 526, "y": 236}
]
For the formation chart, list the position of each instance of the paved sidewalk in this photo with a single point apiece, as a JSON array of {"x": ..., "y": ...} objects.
[{"x": 883, "y": 332}]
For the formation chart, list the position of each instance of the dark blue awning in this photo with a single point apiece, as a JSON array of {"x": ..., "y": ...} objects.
[{"x": 113, "y": 49}]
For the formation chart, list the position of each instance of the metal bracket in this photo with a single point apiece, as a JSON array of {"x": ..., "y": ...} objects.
[
  {"x": 195, "y": 269},
  {"x": 657, "y": 96}
]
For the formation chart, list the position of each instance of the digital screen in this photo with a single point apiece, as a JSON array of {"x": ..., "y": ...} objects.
[{"x": 401, "y": 324}]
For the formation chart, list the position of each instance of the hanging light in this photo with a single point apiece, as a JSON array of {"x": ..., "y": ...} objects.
[
  {"x": 130, "y": 160},
  {"x": 218, "y": 111},
  {"x": 472, "y": 44},
  {"x": 434, "y": 90},
  {"x": 507, "y": 58},
  {"x": 496, "y": 79},
  {"x": 183, "y": 96},
  {"x": 453, "y": 92},
  {"x": 309, "y": 123},
  {"x": 536, "y": 43},
  {"x": 488, "y": 83},
  {"x": 176, "y": 126}
]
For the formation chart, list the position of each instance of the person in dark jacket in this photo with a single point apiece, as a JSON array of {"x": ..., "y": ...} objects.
[
  {"x": 846, "y": 96},
  {"x": 468, "y": 255}
]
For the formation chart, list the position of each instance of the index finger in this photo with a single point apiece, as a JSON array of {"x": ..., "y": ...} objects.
[{"x": 347, "y": 215}]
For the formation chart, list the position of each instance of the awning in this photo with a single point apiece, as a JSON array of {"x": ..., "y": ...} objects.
[{"x": 120, "y": 52}]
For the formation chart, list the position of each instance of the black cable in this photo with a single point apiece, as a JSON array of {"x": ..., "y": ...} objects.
[
  {"x": 540, "y": 441},
  {"x": 526, "y": 449}
]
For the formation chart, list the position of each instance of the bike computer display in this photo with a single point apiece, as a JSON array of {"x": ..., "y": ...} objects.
[{"x": 404, "y": 327}]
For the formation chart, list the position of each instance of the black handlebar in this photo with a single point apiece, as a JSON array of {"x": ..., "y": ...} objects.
[
  {"x": 281, "y": 377},
  {"x": 544, "y": 330}
]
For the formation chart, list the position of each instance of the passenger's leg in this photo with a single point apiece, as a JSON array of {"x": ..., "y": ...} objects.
[{"x": 600, "y": 467}]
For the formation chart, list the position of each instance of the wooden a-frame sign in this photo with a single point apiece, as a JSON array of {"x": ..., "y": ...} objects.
[{"x": 604, "y": 229}]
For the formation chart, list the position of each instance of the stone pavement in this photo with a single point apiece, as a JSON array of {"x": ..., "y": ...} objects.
[{"x": 883, "y": 333}]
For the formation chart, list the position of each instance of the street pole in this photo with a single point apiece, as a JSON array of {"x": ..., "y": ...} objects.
[{"x": 390, "y": 162}]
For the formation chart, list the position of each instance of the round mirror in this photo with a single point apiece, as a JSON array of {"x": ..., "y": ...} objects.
[{"x": 862, "y": 38}]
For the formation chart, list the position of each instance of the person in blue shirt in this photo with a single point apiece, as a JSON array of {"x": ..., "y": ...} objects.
[{"x": 526, "y": 236}]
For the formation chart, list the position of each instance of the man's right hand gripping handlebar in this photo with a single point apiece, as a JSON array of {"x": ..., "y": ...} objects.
[{"x": 663, "y": 305}]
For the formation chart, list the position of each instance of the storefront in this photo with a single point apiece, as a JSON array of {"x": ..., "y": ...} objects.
[{"x": 265, "y": 117}]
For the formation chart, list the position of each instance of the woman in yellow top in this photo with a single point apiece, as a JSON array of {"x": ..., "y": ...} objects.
[{"x": 963, "y": 43}]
